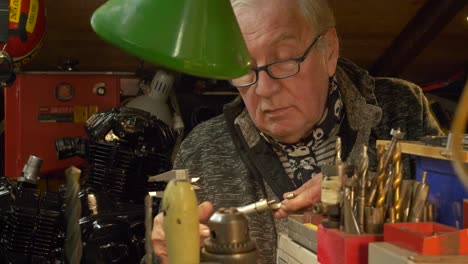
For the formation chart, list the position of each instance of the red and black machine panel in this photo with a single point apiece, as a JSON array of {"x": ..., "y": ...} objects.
[{"x": 42, "y": 107}]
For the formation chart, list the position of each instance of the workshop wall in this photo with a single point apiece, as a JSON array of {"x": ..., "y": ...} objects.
[{"x": 366, "y": 29}]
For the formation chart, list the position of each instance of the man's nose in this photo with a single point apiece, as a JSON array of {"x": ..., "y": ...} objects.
[{"x": 266, "y": 86}]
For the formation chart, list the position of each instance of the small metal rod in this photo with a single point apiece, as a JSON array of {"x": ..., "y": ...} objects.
[{"x": 261, "y": 206}]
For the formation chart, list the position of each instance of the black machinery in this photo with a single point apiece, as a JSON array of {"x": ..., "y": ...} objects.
[
  {"x": 31, "y": 229},
  {"x": 124, "y": 146}
]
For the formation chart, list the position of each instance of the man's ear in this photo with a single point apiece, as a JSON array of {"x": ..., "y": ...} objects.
[{"x": 332, "y": 51}]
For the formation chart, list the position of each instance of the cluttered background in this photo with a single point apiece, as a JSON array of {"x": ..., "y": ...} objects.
[{"x": 67, "y": 91}]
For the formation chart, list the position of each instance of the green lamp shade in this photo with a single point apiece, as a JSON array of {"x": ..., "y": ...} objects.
[{"x": 197, "y": 37}]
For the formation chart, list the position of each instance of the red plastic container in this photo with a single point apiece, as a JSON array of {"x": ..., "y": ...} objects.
[
  {"x": 336, "y": 247},
  {"x": 427, "y": 238}
]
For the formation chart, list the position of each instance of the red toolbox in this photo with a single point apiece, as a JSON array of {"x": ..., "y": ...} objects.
[{"x": 41, "y": 107}]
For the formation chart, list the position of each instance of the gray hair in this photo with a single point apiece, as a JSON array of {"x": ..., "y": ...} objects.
[{"x": 317, "y": 13}]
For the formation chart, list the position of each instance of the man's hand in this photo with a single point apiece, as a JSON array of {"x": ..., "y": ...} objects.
[
  {"x": 205, "y": 210},
  {"x": 305, "y": 196}
]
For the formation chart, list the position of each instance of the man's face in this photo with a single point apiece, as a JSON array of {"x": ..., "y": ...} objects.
[{"x": 285, "y": 109}]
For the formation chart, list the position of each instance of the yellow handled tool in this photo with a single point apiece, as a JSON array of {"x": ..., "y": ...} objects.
[{"x": 181, "y": 224}]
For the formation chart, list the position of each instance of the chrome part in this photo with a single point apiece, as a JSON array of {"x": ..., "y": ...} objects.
[{"x": 229, "y": 240}]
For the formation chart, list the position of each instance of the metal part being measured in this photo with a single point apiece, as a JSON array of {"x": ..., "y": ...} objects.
[{"x": 260, "y": 206}]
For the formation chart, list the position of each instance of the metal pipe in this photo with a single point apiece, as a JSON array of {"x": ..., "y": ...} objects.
[{"x": 73, "y": 244}]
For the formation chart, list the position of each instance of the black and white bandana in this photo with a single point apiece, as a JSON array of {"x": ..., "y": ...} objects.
[{"x": 318, "y": 147}]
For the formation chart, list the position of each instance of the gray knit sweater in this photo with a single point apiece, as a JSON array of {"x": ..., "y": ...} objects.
[{"x": 237, "y": 167}]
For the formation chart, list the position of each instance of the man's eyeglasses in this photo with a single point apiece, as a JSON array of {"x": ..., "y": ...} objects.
[{"x": 276, "y": 70}]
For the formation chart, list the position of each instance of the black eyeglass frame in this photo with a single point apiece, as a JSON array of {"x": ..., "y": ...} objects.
[{"x": 298, "y": 61}]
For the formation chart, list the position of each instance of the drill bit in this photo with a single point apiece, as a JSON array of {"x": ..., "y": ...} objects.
[
  {"x": 363, "y": 166},
  {"x": 418, "y": 202},
  {"x": 391, "y": 215},
  {"x": 348, "y": 217},
  {"x": 396, "y": 135},
  {"x": 406, "y": 195},
  {"x": 398, "y": 177},
  {"x": 374, "y": 220},
  {"x": 385, "y": 159},
  {"x": 350, "y": 225},
  {"x": 374, "y": 182},
  {"x": 428, "y": 212},
  {"x": 383, "y": 194}
]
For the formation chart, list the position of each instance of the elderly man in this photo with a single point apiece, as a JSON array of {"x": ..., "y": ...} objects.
[{"x": 297, "y": 99}]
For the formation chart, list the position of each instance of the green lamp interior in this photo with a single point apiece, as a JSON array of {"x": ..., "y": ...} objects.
[{"x": 197, "y": 37}]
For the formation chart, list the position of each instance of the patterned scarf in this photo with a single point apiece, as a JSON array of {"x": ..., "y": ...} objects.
[{"x": 318, "y": 147}]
